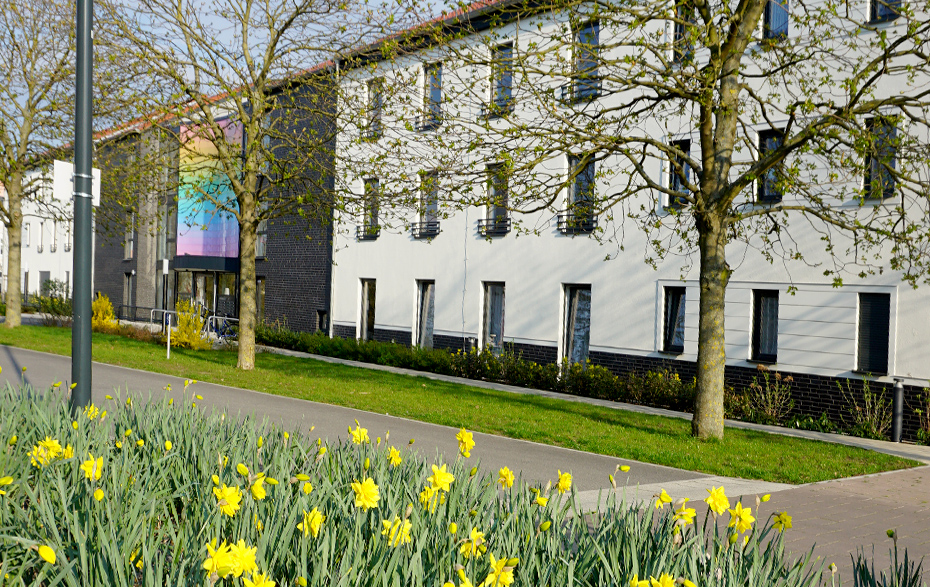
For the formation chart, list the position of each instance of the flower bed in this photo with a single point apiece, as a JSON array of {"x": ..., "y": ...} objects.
[{"x": 157, "y": 493}]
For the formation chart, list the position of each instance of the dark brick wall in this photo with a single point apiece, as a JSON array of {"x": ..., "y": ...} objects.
[
  {"x": 452, "y": 343},
  {"x": 346, "y": 332},
  {"x": 110, "y": 221},
  {"x": 536, "y": 353},
  {"x": 395, "y": 336}
]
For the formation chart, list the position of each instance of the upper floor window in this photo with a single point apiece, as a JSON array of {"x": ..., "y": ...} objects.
[
  {"x": 68, "y": 237},
  {"x": 775, "y": 20},
  {"x": 884, "y": 10},
  {"x": 375, "y": 106},
  {"x": 497, "y": 218},
  {"x": 579, "y": 216},
  {"x": 768, "y": 191},
  {"x": 432, "y": 96},
  {"x": 880, "y": 159},
  {"x": 682, "y": 43},
  {"x": 428, "y": 226},
  {"x": 130, "y": 238},
  {"x": 41, "y": 245},
  {"x": 679, "y": 173},
  {"x": 502, "y": 75},
  {"x": 370, "y": 228},
  {"x": 261, "y": 232},
  {"x": 54, "y": 246},
  {"x": 587, "y": 45},
  {"x": 26, "y": 235}
]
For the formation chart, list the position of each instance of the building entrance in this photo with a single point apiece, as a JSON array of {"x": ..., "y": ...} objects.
[{"x": 214, "y": 291}]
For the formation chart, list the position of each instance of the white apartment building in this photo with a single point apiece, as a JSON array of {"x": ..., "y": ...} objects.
[{"x": 415, "y": 265}]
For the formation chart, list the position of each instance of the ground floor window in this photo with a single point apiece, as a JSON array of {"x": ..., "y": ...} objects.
[
  {"x": 259, "y": 299},
  {"x": 765, "y": 325},
  {"x": 367, "y": 323},
  {"x": 873, "y": 332},
  {"x": 426, "y": 305},
  {"x": 577, "y": 325},
  {"x": 674, "y": 331},
  {"x": 493, "y": 333}
]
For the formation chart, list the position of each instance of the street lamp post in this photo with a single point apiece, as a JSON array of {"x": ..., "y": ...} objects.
[{"x": 83, "y": 211}]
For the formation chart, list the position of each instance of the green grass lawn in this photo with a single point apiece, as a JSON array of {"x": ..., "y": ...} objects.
[{"x": 651, "y": 439}]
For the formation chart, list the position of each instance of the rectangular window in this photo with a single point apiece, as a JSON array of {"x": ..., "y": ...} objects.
[
  {"x": 25, "y": 286},
  {"x": 322, "y": 321},
  {"x": 426, "y": 306},
  {"x": 582, "y": 185},
  {"x": 765, "y": 325},
  {"x": 429, "y": 196},
  {"x": 679, "y": 174},
  {"x": 502, "y": 76},
  {"x": 375, "y": 106},
  {"x": 45, "y": 283},
  {"x": 261, "y": 233},
  {"x": 587, "y": 47},
  {"x": 370, "y": 220},
  {"x": 68, "y": 284},
  {"x": 683, "y": 43},
  {"x": 259, "y": 299},
  {"x": 26, "y": 235},
  {"x": 432, "y": 95},
  {"x": 68, "y": 237},
  {"x": 768, "y": 190},
  {"x": 41, "y": 244},
  {"x": 128, "y": 243},
  {"x": 775, "y": 20},
  {"x": 498, "y": 191},
  {"x": 884, "y": 10},
  {"x": 673, "y": 338},
  {"x": 880, "y": 160},
  {"x": 127, "y": 290},
  {"x": 367, "y": 325},
  {"x": 874, "y": 321},
  {"x": 54, "y": 246},
  {"x": 577, "y": 323},
  {"x": 493, "y": 339}
]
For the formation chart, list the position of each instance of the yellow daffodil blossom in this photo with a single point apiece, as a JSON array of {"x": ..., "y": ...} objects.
[
  {"x": 271, "y": 481},
  {"x": 366, "y": 494},
  {"x": 13, "y": 440},
  {"x": 98, "y": 494},
  {"x": 258, "y": 487},
  {"x": 68, "y": 452},
  {"x": 92, "y": 469},
  {"x": 781, "y": 523},
  {"x": 74, "y": 425},
  {"x": 228, "y": 499},
  {"x": 219, "y": 560},
  {"x": 307, "y": 488},
  {"x": 140, "y": 443},
  {"x": 741, "y": 518},
  {"x": 135, "y": 559},
  {"x": 302, "y": 581},
  {"x": 565, "y": 482},
  {"x": 684, "y": 514},
  {"x": 542, "y": 501},
  {"x": 664, "y": 580},
  {"x": 635, "y": 582},
  {"x": 258, "y": 580},
  {"x": 243, "y": 558},
  {"x": 687, "y": 583},
  {"x": 663, "y": 499},
  {"x": 4, "y": 481},
  {"x": 472, "y": 546},
  {"x": 242, "y": 470},
  {"x": 312, "y": 523},
  {"x": 501, "y": 573},
  {"x": 717, "y": 500},
  {"x": 359, "y": 435},
  {"x": 766, "y": 497},
  {"x": 466, "y": 442},
  {"x": 505, "y": 478},
  {"x": 128, "y": 433},
  {"x": 119, "y": 444},
  {"x": 624, "y": 468},
  {"x": 168, "y": 445},
  {"x": 56, "y": 385},
  {"x": 394, "y": 457},
  {"x": 398, "y": 531},
  {"x": 91, "y": 412},
  {"x": 47, "y": 554},
  {"x": 463, "y": 580},
  {"x": 453, "y": 528},
  {"x": 441, "y": 479}
]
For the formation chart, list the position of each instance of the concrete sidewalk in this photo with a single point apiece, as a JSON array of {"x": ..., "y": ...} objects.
[{"x": 837, "y": 516}]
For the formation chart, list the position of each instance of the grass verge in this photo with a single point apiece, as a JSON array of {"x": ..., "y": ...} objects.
[{"x": 630, "y": 435}]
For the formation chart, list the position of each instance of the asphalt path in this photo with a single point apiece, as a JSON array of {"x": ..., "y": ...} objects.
[{"x": 536, "y": 462}]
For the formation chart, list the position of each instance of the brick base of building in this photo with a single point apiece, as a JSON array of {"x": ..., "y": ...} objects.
[{"x": 813, "y": 395}]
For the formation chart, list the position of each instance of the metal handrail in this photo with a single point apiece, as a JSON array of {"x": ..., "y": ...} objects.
[{"x": 165, "y": 314}]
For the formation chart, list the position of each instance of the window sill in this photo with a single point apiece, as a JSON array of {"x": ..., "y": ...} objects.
[
  {"x": 878, "y": 22},
  {"x": 672, "y": 352},
  {"x": 870, "y": 373},
  {"x": 761, "y": 361}
]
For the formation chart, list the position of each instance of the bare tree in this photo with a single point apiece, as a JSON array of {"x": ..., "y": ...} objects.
[
  {"x": 246, "y": 90},
  {"x": 702, "y": 124}
]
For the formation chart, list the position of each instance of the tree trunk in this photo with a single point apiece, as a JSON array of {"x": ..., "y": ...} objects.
[
  {"x": 708, "y": 405},
  {"x": 247, "y": 290},
  {"x": 14, "y": 290}
]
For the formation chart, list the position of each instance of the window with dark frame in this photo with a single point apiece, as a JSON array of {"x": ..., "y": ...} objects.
[
  {"x": 370, "y": 221},
  {"x": 582, "y": 186},
  {"x": 673, "y": 338},
  {"x": 26, "y": 235},
  {"x": 765, "y": 325},
  {"x": 375, "y": 107},
  {"x": 587, "y": 45},
  {"x": 873, "y": 333},
  {"x": 768, "y": 190},
  {"x": 775, "y": 20},
  {"x": 128, "y": 248},
  {"x": 261, "y": 239},
  {"x": 259, "y": 300},
  {"x": 880, "y": 160},
  {"x": 884, "y": 10},
  {"x": 367, "y": 313},
  {"x": 682, "y": 44},
  {"x": 54, "y": 245},
  {"x": 426, "y": 308},
  {"x": 679, "y": 174},
  {"x": 429, "y": 196},
  {"x": 502, "y": 76},
  {"x": 577, "y": 323},
  {"x": 493, "y": 335},
  {"x": 68, "y": 237}
]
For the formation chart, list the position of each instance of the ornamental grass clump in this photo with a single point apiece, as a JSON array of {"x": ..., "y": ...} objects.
[{"x": 161, "y": 493}]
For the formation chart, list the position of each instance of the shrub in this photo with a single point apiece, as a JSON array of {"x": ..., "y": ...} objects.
[
  {"x": 770, "y": 400},
  {"x": 189, "y": 333},
  {"x": 869, "y": 418},
  {"x": 164, "y": 509},
  {"x": 103, "y": 319}
]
